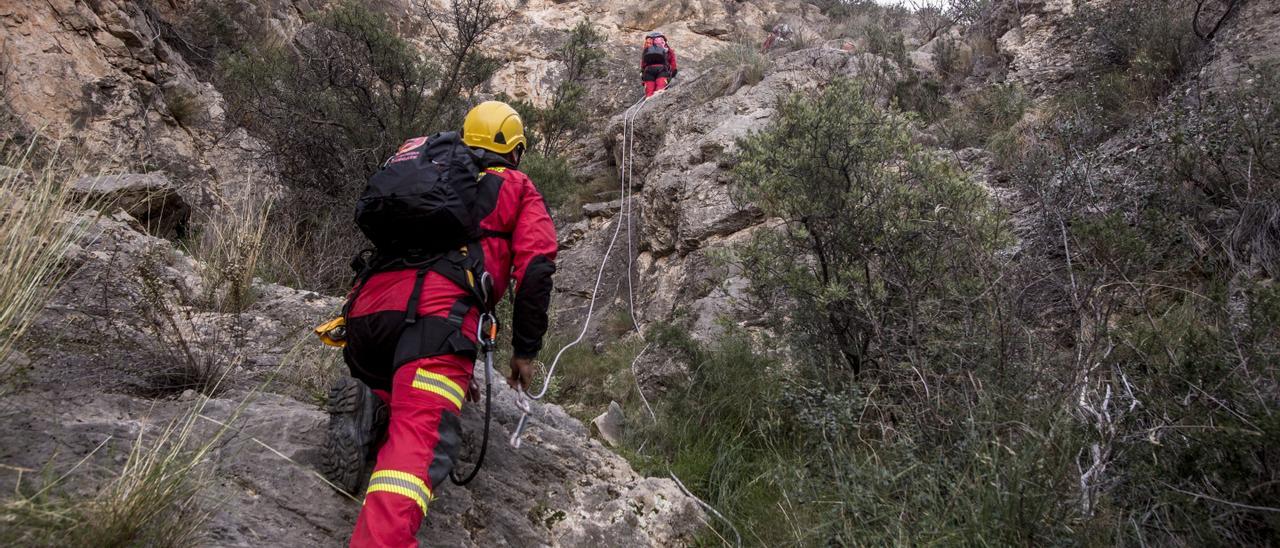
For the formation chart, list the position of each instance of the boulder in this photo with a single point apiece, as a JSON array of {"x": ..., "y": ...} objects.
[
  {"x": 601, "y": 209},
  {"x": 608, "y": 426},
  {"x": 150, "y": 198}
]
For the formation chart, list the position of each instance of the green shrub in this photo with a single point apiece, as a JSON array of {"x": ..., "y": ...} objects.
[
  {"x": 720, "y": 434},
  {"x": 567, "y": 112},
  {"x": 1137, "y": 50},
  {"x": 925, "y": 97},
  {"x": 984, "y": 116},
  {"x": 888, "y": 42},
  {"x": 562, "y": 189},
  {"x": 876, "y": 215},
  {"x": 334, "y": 104}
]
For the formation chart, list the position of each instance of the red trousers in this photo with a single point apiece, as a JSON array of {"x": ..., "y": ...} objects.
[
  {"x": 420, "y": 449},
  {"x": 655, "y": 86}
]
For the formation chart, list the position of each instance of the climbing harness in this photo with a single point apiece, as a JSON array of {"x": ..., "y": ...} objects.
[
  {"x": 487, "y": 337},
  {"x": 523, "y": 399}
]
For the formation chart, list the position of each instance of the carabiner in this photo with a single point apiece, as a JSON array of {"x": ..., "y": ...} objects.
[{"x": 487, "y": 331}]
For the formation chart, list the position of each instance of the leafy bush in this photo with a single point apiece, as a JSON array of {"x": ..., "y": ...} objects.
[
  {"x": 1137, "y": 50},
  {"x": 560, "y": 187},
  {"x": 1114, "y": 383},
  {"x": 336, "y": 101},
  {"x": 844, "y": 9},
  {"x": 874, "y": 217},
  {"x": 888, "y": 42},
  {"x": 1162, "y": 269},
  {"x": 923, "y": 96}
]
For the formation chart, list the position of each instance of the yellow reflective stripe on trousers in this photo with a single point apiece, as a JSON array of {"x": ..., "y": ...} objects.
[
  {"x": 400, "y": 483},
  {"x": 439, "y": 384}
]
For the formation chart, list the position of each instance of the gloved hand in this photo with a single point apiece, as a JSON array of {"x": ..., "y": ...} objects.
[
  {"x": 521, "y": 373},
  {"x": 674, "y": 72}
]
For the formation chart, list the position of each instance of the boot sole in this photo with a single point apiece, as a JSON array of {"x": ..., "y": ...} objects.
[{"x": 348, "y": 453}]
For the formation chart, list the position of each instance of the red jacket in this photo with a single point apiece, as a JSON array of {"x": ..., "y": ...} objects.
[{"x": 519, "y": 249}]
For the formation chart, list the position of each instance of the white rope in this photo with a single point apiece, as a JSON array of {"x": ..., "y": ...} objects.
[
  {"x": 626, "y": 173},
  {"x": 524, "y": 397},
  {"x": 635, "y": 322}
]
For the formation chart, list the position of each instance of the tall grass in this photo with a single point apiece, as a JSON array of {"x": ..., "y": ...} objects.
[
  {"x": 154, "y": 500},
  {"x": 308, "y": 369},
  {"x": 36, "y": 232},
  {"x": 230, "y": 248},
  {"x": 736, "y": 66}
]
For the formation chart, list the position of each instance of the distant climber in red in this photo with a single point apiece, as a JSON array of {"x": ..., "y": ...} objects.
[{"x": 657, "y": 63}]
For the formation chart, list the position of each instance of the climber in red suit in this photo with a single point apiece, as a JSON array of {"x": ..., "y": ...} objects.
[
  {"x": 427, "y": 391},
  {"x": 657, "y": 63}
]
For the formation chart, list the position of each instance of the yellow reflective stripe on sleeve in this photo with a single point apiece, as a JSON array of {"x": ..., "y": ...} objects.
[
  {"x": 497, "y": 169},
  {"x": 439, "y": 384},
  {"x": 401, "y": 483}
]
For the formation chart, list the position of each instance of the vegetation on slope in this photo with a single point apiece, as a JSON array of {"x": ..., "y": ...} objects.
[{"x": 1104, "y": 373}]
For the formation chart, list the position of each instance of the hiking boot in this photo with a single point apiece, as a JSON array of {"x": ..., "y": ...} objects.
[{"x": 357, "y": 418}]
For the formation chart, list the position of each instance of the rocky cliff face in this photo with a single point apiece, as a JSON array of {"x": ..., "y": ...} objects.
[
  {"x": 103, "y": 78},
  {"x": 132, "y": 318},
  {"x": 110, "y": 79},
  {"x": 107, "y": 76},
  {"x": 684, "y": 211},
  {"x": 684, "y": 215}
]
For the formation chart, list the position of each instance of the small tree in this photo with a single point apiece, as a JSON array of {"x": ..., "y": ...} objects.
[
  {"x": 336, "y": 102},
  {"x": 581, "y": 56},
  {"x": 459, "y": 28},
  {"x": 877, "y": 234}
]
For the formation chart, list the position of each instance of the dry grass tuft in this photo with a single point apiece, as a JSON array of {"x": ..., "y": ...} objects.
[
  {"x": 229, "y": 248},
  {"x": 153, "y": 501},
  {"x": 35, "y": 236}
]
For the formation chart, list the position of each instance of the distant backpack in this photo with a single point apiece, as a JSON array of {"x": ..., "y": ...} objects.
[
  {"x": 422, "y": 201},
  {"x": 654, "y": 53}
]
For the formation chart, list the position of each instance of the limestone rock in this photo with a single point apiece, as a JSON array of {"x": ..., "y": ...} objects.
[
  {"x": 602, "y": 209},
  {"x": 150, "y": 198},
  {"x": 609, "y": 424},
  {"x": 684, "y": 143}
]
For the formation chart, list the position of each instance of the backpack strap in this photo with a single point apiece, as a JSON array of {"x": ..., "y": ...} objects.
[
  {"x": 411, "y": 310},
  {"x": 458, "y": 312}
]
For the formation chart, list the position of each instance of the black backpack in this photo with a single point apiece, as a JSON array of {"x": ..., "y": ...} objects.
[
  {"x": 655, "y": 55},
  {"x": 422, "y": 201}
]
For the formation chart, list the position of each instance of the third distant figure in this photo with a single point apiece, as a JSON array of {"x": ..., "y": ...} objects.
[{"x": 657, "y": 63}]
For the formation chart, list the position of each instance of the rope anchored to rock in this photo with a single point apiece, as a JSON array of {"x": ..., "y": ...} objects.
[{"x": 524, "y": 399}]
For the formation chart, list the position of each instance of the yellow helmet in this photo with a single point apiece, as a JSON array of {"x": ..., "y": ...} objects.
[{"x": 495, "y": 126}]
